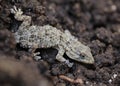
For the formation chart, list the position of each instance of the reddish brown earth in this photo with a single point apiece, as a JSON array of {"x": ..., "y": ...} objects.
[{"x": 95, "y": 23}]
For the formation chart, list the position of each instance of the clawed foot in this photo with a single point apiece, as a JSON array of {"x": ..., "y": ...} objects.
[
  {"x": 69, "y": 63},
  {"x": 16, "y": 11},
  {"x": 35, "y": 54},
  {"x": 36, "y": 57}
]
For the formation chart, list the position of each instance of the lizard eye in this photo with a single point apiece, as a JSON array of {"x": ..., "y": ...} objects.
[{"x": 82, "y": 56}]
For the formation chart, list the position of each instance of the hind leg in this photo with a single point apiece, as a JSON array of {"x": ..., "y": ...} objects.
[
  {"x": 35, "y": 55},
  {"x": 20, "y": 17}
]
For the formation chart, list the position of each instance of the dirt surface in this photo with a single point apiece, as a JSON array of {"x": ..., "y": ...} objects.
[{"x": 95, "y": 23}]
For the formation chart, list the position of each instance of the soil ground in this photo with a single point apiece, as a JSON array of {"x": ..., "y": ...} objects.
[{"x": 96, "y": 23}]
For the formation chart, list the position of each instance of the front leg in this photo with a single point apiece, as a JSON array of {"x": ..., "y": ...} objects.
[
  {"x": 20, "y": 17},
  {"x": 60, "y": 54},
  {"x": 60, "y": 57}
]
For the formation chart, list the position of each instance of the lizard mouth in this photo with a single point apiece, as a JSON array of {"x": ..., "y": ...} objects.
[{"x": 85, "y": 59}]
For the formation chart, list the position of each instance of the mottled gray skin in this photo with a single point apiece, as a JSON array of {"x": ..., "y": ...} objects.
[{"x": 47, "y": 36}]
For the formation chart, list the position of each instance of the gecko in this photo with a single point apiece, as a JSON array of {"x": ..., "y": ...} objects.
[{"x": 46, "y": 36}]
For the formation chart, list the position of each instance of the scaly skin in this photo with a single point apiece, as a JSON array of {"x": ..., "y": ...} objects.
[{"x": 47, "y": 36}]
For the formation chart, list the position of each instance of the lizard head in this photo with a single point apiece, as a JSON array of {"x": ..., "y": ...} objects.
[
  {"x": 86, "y": 56},
  {"x": 81, "y": 54}
]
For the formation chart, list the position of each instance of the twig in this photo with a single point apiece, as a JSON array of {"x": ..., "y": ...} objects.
[{"x": 78, "y": 81}]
